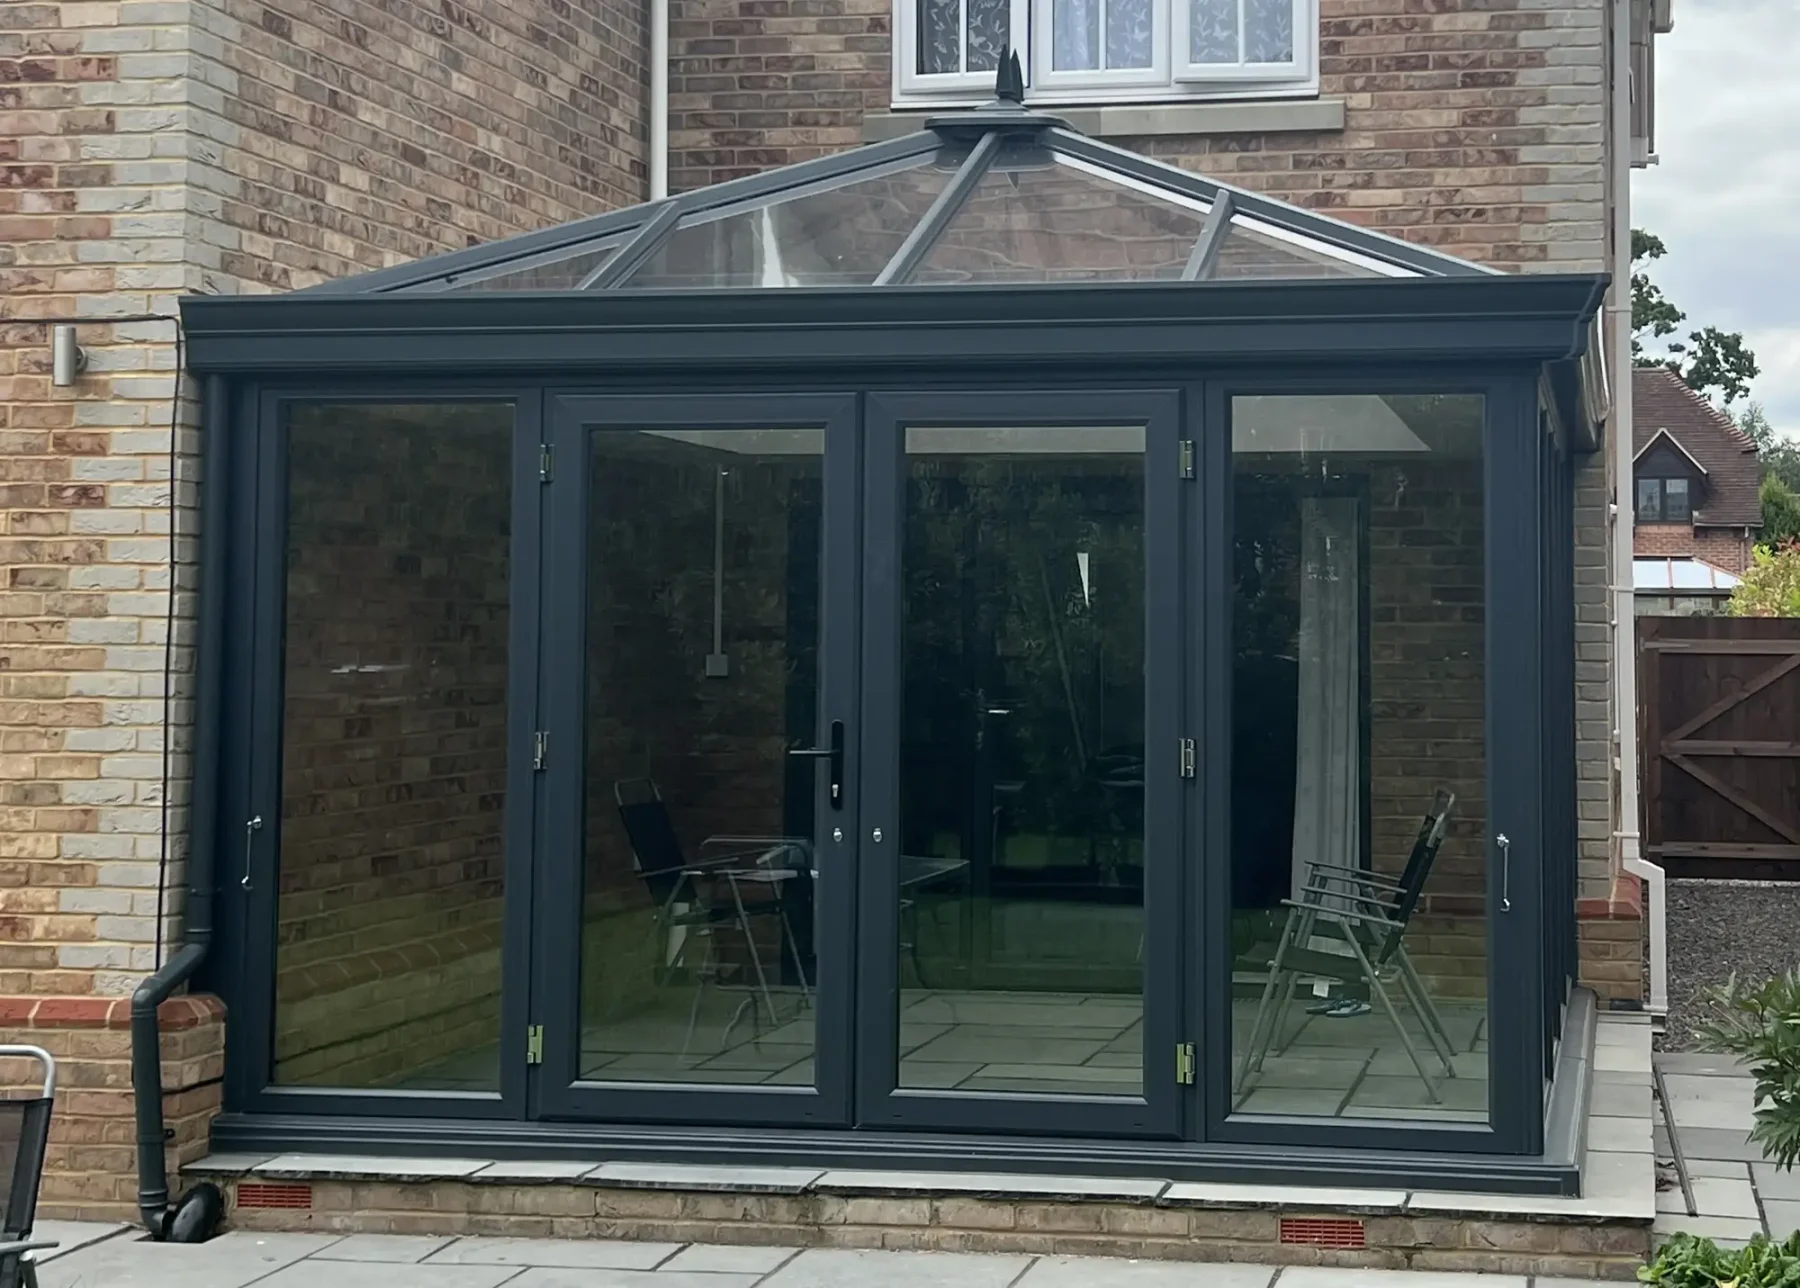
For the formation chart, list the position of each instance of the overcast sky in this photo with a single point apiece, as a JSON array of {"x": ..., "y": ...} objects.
[{"x": 1725, "y": 198}]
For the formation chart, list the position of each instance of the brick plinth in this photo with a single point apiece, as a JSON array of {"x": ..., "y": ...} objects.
[
  {"x": 1162, "y": 1229},
  {"x": 90, "y": 1173}
]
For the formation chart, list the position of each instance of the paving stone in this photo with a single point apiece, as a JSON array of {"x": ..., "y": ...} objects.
[
  {"x": 1782, "y": 1217},
  {"x": 382, "y": 1247},
  {"x": 1620, "y": 1135},
  {"x": 225, "y": 1164},
  {"x": 312, "y": 1272},
  {"x": 736, "y": 1180},
  {"x": 1620, "y": 1095},
  {"x": 229, "y": 1261},
  {"x": 1712, "y": 1142},
  {"x": 547, "y": 1277},
  {"x": 1700, "y": 1062},
  {"x": 1721, "y": 1228},
  {"x": 1723, "y": 1103},
  {"x": 371, "y": 1167},
  {"x": 1734, "y": 1170},
  {"x": 1209, "y": 1194},
  {"x": 1330, "y": 1277},
  {"x": 1713, "y": 1196},
  {"x": 72, "y": 1236},
  {"x": 1086, "y": 1272},
  {"x": 718, "y": 1258},
  {"x": 846, "y": 1268},
  {"x": 1773, "y": 1182},
  {"x": 573, "y": 1254},
  {"x": 997, "y": 1184},
  {"x": 528, "y": 1171}
]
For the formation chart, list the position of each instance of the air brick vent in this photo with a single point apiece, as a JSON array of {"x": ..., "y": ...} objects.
[
  {"x": 262, "y": 1194},
  {"x": 1324, "y": 1231}
]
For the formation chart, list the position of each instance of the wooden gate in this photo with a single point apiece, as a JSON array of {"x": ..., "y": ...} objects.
[{"x": 1720, "y": 724}]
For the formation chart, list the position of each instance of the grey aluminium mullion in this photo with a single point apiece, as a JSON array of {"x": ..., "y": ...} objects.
[
  {"x": 1212, "y": 237},
  {"x": 898, "y": 270},
  {"x": 633, "y": 253}
]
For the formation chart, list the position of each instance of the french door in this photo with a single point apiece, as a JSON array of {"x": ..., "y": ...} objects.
[{"x": 861, "y": 762}]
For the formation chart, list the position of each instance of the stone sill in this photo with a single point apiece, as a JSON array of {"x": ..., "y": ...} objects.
[{"x": 1149, "y": 120}]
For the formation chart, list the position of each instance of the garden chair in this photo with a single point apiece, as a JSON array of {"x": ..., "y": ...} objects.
[{"x": 24, "y": 1137}]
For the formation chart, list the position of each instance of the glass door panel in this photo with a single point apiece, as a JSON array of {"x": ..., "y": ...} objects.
[
  {"x": 689, "y": 872},
  {"x": 1007, "y": 895}
]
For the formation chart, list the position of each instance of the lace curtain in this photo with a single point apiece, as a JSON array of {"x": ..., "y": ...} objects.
[{"x": 1267, "y": 27}]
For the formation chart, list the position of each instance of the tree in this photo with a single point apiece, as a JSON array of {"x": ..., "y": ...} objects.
[
  {"x": 1708, "y": 359},
  {"x": 1780, "y": 511},
  {"x": 1771, "y": 586}
]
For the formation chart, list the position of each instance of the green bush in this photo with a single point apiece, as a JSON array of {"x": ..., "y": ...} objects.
[
  {"x": 1689, "y": 1262},
  {"x": 1761, "y": 1026}
]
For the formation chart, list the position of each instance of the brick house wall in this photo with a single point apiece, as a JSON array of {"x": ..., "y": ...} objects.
[
  {"x": 150, "y": 148},
  {"x": 1727, "y": 548}
]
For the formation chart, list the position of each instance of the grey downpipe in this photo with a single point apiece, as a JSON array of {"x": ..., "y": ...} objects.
[{"x": 146, "y": 1038}]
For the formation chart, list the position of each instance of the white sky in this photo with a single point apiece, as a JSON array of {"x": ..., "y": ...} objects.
[{"x": 1725, "y": 198}]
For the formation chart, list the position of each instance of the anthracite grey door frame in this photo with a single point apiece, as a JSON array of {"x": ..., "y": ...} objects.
[
  {"x": 880, "y": 1103},
  {"x": 249, "y": 867},
  {"x": 1513, "y": 750},
  {"x": 572, "y": 418}
]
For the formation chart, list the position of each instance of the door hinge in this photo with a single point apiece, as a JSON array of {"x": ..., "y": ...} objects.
[
  {"x": 540, "y": 749},
  {"x": 1184, "y": 1063},
  {"x": 534, "y": 1044},
  {"x": 546, "y": 460},
  {"x": 1187, "y": 458},
  {"x": 1187, "y": 757}
]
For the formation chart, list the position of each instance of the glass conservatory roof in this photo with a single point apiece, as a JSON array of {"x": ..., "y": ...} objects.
[{"x": 993, "y": 195}]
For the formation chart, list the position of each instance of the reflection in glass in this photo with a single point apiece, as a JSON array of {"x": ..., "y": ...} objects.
[
  {"x": 1247, "y": 251},
  {"x": 1021, "y": 783},
  {"x": 702, "y": 674},
  {"x": 840, "y": 236},
  {"x": 1038, "y": 218},
  {"x": 1359, "y": 939},
  {"x": 550, "y": 274},
  {"x": 393, "y": 757}
]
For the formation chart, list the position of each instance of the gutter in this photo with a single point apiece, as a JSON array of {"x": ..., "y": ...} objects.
[
  {"x": 146, "y": 1038},
  {"x": 1626, "y": 837}
]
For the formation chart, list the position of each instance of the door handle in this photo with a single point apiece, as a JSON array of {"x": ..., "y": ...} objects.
[
  {"x": 834, "y": 755},
  {"x": 251, "y": 827},
  {"x": 1505, "y": 872}
]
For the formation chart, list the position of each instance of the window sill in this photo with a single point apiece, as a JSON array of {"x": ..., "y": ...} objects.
[{"x": 1272, "y": 116}]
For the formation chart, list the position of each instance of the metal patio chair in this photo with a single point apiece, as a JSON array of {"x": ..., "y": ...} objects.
[
  {"x": 703, "y": 897},
  {"x": 1368, "y": 913},
  {"x": 24, "y": 1137}
]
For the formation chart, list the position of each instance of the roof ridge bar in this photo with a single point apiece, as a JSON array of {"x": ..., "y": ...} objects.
[
  {"x": 1211, "y": 238},
  {"x": 899, "y": 270},
  {"x": 633, "y": 253}
]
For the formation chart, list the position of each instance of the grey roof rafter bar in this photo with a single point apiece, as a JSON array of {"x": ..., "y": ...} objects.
[
  {"x": 898, "y": 270},
  {"x": 1206, "y": 245}
]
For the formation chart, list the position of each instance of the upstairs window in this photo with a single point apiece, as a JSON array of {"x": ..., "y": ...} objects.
[
  {"x": 1664, "y": 501},
  {"x": 1106, "y": 51}
]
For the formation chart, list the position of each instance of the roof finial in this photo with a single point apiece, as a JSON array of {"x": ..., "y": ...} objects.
[{"x": 1009, "y": 77}]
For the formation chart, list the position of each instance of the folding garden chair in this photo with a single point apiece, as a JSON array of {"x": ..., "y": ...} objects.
[
  {"x": 24, "y": 1136},
  {"x": 705, "y": 896},
  {"x": 1368, "y": 913}
]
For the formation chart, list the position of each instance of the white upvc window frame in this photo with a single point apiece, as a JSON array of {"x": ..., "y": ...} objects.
[{"x": 1170, "y": 78}]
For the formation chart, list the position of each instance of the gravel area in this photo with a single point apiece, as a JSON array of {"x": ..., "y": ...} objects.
[{"x": 1717, "y": 927}]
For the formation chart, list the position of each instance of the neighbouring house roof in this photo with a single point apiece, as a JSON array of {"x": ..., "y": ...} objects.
[
  {"x": 1664, "y": 408},
  {"x": 1692, "y": 576}
]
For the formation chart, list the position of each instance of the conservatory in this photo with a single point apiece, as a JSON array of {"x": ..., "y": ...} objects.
[{"x": 981, "y": 651}]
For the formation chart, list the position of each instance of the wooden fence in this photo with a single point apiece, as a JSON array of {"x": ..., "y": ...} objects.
[{"x": 1719, "y": 701}]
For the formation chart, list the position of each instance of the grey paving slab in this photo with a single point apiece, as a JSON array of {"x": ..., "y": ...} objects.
[
  {"x": 226, "y": 1164},
  {"x": 995, "y": 1183},
  {"x": 719, "y": 1258},
  {"x": 570, "y": 1254},
  {"x": 1621, "y": 1095},
  {"x": 546, "y": 1277},
  {"x": 399, "y": 1248},
  {"x": 1700, "y": 1062},
  {"x": 72, "y": 1236},
  {"x": 1329, "y": 1277},
  {"x": 1773, "y": 1182},
  {"x": 1211, "y": 1194},
  {"x": 1724, "y": 1229},
  {"x": 1713, "y": 1196},
  {"x": 1734, "y": 1169},
  {"x": 1781, "y": 1216},
  {"x": 1724, "y": 1103},
  {"x": 312, "y": 1272},
  {"x": 1714, "y": 1142},
  {"x": 1086, "y": 1272},
  {"x": 372, "y": 1166},
  {"x": 847, "y": 1268},
  {"x": 230, "y": 1261},
  {"x": 516, "y": 1171},
  {"x": 1623, "y": 1135},
  {"x": 739, "y": 1180}
]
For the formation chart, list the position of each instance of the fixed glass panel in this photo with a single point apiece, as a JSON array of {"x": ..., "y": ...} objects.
[
  {"x": 394, "y": 752},
  {"x": 1021, "y": 796},
  {"x": 703, "y": 591},
  {"x": 551, "y": 274},
  {"x": 1248, "y": 252},
  {"x": 1035, "y": 217},
  {"x": 1240, "y": 32},
  {"x": 1100, "y": 35},
  {"x": 1676, "y": 506},
  {"x": 961, "y": 35},
  {"x": 1358, "y": 863},
  {"x": 840, "y": 236},
  {"x": 1649, "y": 500}
]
